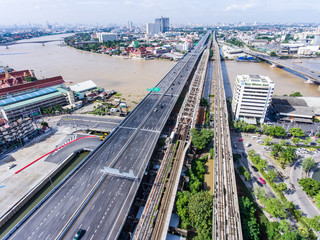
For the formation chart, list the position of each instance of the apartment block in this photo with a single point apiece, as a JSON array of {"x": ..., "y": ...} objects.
[
  {"x": 251, "y": 98},
  {"x": 19, "y": 129}
]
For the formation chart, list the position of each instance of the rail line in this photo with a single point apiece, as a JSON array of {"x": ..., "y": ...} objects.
[
  {"x": 186, "y": 120},
  {"x": 177, "y": 76},
  {"x": 226, "y": 215}
]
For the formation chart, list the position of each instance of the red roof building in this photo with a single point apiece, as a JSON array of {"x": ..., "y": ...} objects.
[
  {"x": 14, "y": 78},
  {"x": 139, "y": 52},
  {"x": 31, "y": 86}
]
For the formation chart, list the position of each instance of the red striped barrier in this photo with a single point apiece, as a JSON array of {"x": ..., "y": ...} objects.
[{"x": 51, "y": 152}]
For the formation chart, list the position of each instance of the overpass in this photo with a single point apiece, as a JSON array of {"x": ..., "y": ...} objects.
[
  {"x": 92, "y": 199},
  {"x": 311, "y": 75}
]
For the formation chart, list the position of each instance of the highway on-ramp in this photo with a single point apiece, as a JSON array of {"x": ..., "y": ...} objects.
[{"x": 98, "y": 202}]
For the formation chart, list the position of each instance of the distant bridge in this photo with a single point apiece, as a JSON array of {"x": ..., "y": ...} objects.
[
  {"x": 41, "y": 42},
  {"x": 311, "y": 75}
]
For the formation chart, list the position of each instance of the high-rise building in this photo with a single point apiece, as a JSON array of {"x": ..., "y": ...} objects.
[
  {"x": 150, "y": 29},
  {"x": 104, "y": 37},
  {"x": 251, "y": 97},
  {"x": 130, "y": 24},
  {"x": 164, "y": 24},
  {"x": 159, "y": 25}
]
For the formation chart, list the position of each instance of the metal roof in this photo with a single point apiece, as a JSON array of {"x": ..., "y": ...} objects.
[
  {"x": 83, "y": 86},
  {"x": 31, "y": 101},
  {"x": 27, "y": 96}
]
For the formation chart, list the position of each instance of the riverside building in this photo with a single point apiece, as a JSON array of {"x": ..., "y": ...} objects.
[{"x": 251, "y": 98}]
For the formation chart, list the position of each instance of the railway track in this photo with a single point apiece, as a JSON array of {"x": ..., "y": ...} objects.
[
  {"x": 145, "y": 226},
  {"x": 186, "y": 120},
  {"x": 226, "y": 215}
]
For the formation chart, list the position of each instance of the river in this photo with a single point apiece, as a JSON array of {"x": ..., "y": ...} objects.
[
  {"x": 285, "y": 82},
  {"x": 131, "y": 77}
]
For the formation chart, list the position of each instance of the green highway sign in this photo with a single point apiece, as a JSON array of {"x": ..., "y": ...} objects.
[{"x": 155, "y": 89}]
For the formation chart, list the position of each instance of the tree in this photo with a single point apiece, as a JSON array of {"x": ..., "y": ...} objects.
[
  {"x": 244, "y": 127},
  {"x": 297, "y": 132},
  {"x": 182, "y": 208},
  {"x": 308, "y": 163},
  {"x": 247, "y": 175},
  {"x": 267, "y": 140},
  {"x": 314, "y": 222},
  {"x": 204, "y": 102},
  {"x": 271, "y": 174},
  {"x": 200, "y": 214},
  {"x": 317, "y": 199},
  {"x": 276, "y": 150},
  {"x": 275, "y": 208},
  {"x": 273, "y": 54},
  {"x": 295, "y": 94},
  {"x": 279, "y": 131},
  {"x": 310, "y": 186},
  {"x": 44, "y": 124},
  {"x": 200, "y": 139},
  {"x": 282, "y": 186},
  {"x": 288, "y": 155},
  {"x": 272, "y": 230},
  {"x": 262, "y": 163},
  {"x": 308, "y": 140},
  {"x": 296, "y": 140},
  {"x": 250, "y": 226},
  {"x": 275, "y": 131}
]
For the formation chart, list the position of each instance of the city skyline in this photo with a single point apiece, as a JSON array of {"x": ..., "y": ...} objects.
[{"x": 142, "y": 11}]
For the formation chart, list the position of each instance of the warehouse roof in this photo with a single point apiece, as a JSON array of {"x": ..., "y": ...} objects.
[
  {"x": 31, "y": 101},
  {"x": 24, "y": 97},
  {"x": 83, "y": 86},
  {"x": 313, "y": 102},
  {"x": 292, "y": 106}
]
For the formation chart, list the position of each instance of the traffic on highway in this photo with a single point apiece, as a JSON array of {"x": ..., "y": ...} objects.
[{"x": 94, "y": 200}]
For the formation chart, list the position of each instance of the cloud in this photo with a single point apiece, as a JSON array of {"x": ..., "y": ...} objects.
[
  {"x": 128, "y": 2},
  {"x": 93, "y": 3},
  {"x": 241, "y": 7}
]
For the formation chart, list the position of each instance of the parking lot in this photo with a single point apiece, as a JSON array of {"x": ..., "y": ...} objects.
[{"x": 242, "y": 143}]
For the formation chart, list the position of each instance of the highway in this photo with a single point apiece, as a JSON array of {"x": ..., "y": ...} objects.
[
  {"x": 93, "y": 200},
  {"x": 90, "y": 122},
  {"x": 226, "y": 214},
  {"x": 282, "y": 63}
]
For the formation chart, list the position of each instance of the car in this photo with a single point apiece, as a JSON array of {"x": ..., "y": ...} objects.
[
  {"x": 262, "y": 180},
  {"x": 260, "y": 184},
  {"x": 79, "y": 234},
  {"x": 12, "y": 165},
  {"x": 240, "y": 139},
  {"x": 255, "y": 169}
]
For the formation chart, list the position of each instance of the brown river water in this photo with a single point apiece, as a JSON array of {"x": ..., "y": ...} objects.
[{"x": 132, "y": 77}]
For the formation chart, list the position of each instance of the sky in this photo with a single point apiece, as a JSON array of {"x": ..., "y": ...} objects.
[{"x": 142, "y": 11}]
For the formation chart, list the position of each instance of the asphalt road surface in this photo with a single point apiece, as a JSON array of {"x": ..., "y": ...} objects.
[
  {"x": 98, "y": 202},
  {"x": 88, "y": 122}
]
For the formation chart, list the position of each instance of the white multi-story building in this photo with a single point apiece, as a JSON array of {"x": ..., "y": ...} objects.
[
  {"x": 104, "y": 37},
  {"x": 16, "y": 130},
  {"x": 251, "y": 98}
]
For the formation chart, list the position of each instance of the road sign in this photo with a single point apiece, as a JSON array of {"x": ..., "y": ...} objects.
[{"x": 155, "y": 89}]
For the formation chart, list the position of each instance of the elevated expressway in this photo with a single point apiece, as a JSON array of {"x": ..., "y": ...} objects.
[
  {"x": 226, "y": 214},
  {"x": 97, "y": 200},
  {"x": 154, "y": 222},
  {"x": 311, "y": 75}
]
